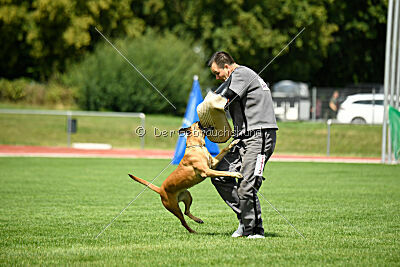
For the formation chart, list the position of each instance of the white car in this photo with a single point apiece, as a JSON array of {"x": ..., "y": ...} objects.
[{"x": 362, "y": 109}]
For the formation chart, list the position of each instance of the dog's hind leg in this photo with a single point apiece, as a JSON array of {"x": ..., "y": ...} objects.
[
  {"x": 186, "y": 197},
  {"x": 173, "y": 207}
]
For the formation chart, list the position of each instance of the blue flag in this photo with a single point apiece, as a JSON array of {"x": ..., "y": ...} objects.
[{"x": 191, "y": 116}]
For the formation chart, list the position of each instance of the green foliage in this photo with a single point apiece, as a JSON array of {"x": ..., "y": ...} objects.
[
  {"x": 343, "y": 41},
  {"x": 254, "y": 32},
  {"x": 60, "y": 95},
  {"x": 13, "y": 91},
  {"x": 107, "y": 82},
  {"x": 42, "y": 36},
  {"x": 26, "y": 91},
  {"x": 358, "y": 52}
]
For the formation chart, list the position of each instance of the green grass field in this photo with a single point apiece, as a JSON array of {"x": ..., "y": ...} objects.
[{"x": 52, "y": 208}]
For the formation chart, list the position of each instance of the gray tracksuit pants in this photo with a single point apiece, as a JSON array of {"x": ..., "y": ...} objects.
[{"x": 241, "y": 195}]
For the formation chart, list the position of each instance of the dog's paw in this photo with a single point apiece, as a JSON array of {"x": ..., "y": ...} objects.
[{"x": 238, "y": 175}]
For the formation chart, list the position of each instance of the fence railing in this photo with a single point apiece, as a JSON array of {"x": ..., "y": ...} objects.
[{"x": 69, "y": 115}]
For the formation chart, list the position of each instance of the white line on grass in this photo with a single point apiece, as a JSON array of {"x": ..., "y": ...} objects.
[{"x": 281, "y": 214}]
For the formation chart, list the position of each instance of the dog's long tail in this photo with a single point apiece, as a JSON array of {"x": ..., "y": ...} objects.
[{"x": 150, "y": 185}]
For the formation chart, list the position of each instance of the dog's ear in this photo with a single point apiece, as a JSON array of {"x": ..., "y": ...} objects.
[{"x": 184, "y": 130}]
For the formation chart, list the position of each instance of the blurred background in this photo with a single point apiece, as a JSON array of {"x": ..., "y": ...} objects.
[{"x": 51, "y": 57}]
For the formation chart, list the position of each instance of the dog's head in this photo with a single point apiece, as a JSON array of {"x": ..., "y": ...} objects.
[{"x": 195, "y": 134}]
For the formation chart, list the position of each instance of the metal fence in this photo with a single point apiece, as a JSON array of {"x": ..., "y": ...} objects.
[
  {"x": 314, "y": 104},
  {"x": 70, "y": 114},
  {"x": 320, "y": 97}
]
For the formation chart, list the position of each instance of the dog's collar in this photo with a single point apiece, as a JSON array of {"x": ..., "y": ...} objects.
[
  {"x": 205, "y": 129},
  {"x": 200, "y": 126},
  {"x": 195, "y": 146}
]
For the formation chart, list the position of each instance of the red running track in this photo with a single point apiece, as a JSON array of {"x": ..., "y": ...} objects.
[{"x": 38, "y": 151}]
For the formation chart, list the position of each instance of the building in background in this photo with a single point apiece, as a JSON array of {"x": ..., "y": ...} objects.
[{"x": 291, "y": 100}]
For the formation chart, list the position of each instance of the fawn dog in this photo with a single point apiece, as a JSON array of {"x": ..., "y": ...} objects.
[{"x": 196, "y": 165}]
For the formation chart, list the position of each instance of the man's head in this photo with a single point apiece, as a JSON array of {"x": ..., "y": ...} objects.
[
  {"x": 335, "y": 94},
  {"x": 221, "y": 65}
]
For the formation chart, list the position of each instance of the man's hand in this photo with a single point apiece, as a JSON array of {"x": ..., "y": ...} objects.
[{"x": 234, "y": 143}]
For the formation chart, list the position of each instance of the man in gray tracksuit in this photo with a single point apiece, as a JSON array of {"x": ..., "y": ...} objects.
[{"x": 251, "y": 108}]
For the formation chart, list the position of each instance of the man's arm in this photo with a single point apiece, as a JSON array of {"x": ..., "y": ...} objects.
[
  {"x": 225, "y": 91},
  {"x": 229, "y": 94}
]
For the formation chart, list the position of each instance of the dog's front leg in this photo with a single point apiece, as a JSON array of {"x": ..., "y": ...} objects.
[
  {"x": 222, "y": 154},
  {"x": 213, "y": 173}
]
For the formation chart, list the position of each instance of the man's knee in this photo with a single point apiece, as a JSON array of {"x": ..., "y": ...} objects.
[
  {"x": 217, "y": 181},
  {"x": 248, "y": 186}
]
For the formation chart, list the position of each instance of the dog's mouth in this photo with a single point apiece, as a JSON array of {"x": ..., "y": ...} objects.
[{"x": 205, "y": 130}]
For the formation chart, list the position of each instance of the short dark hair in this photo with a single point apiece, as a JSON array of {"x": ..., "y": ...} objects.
[{"x": 220, "y": 58}]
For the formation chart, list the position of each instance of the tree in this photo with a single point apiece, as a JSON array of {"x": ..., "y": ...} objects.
[
  {"x": 252, "y": 31},
  {"x": 343, "y": 41},
  {"x": 42, "y": 36},
  {"x": 107, "y": 82},
  {"x": 358, "y": 52}
]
